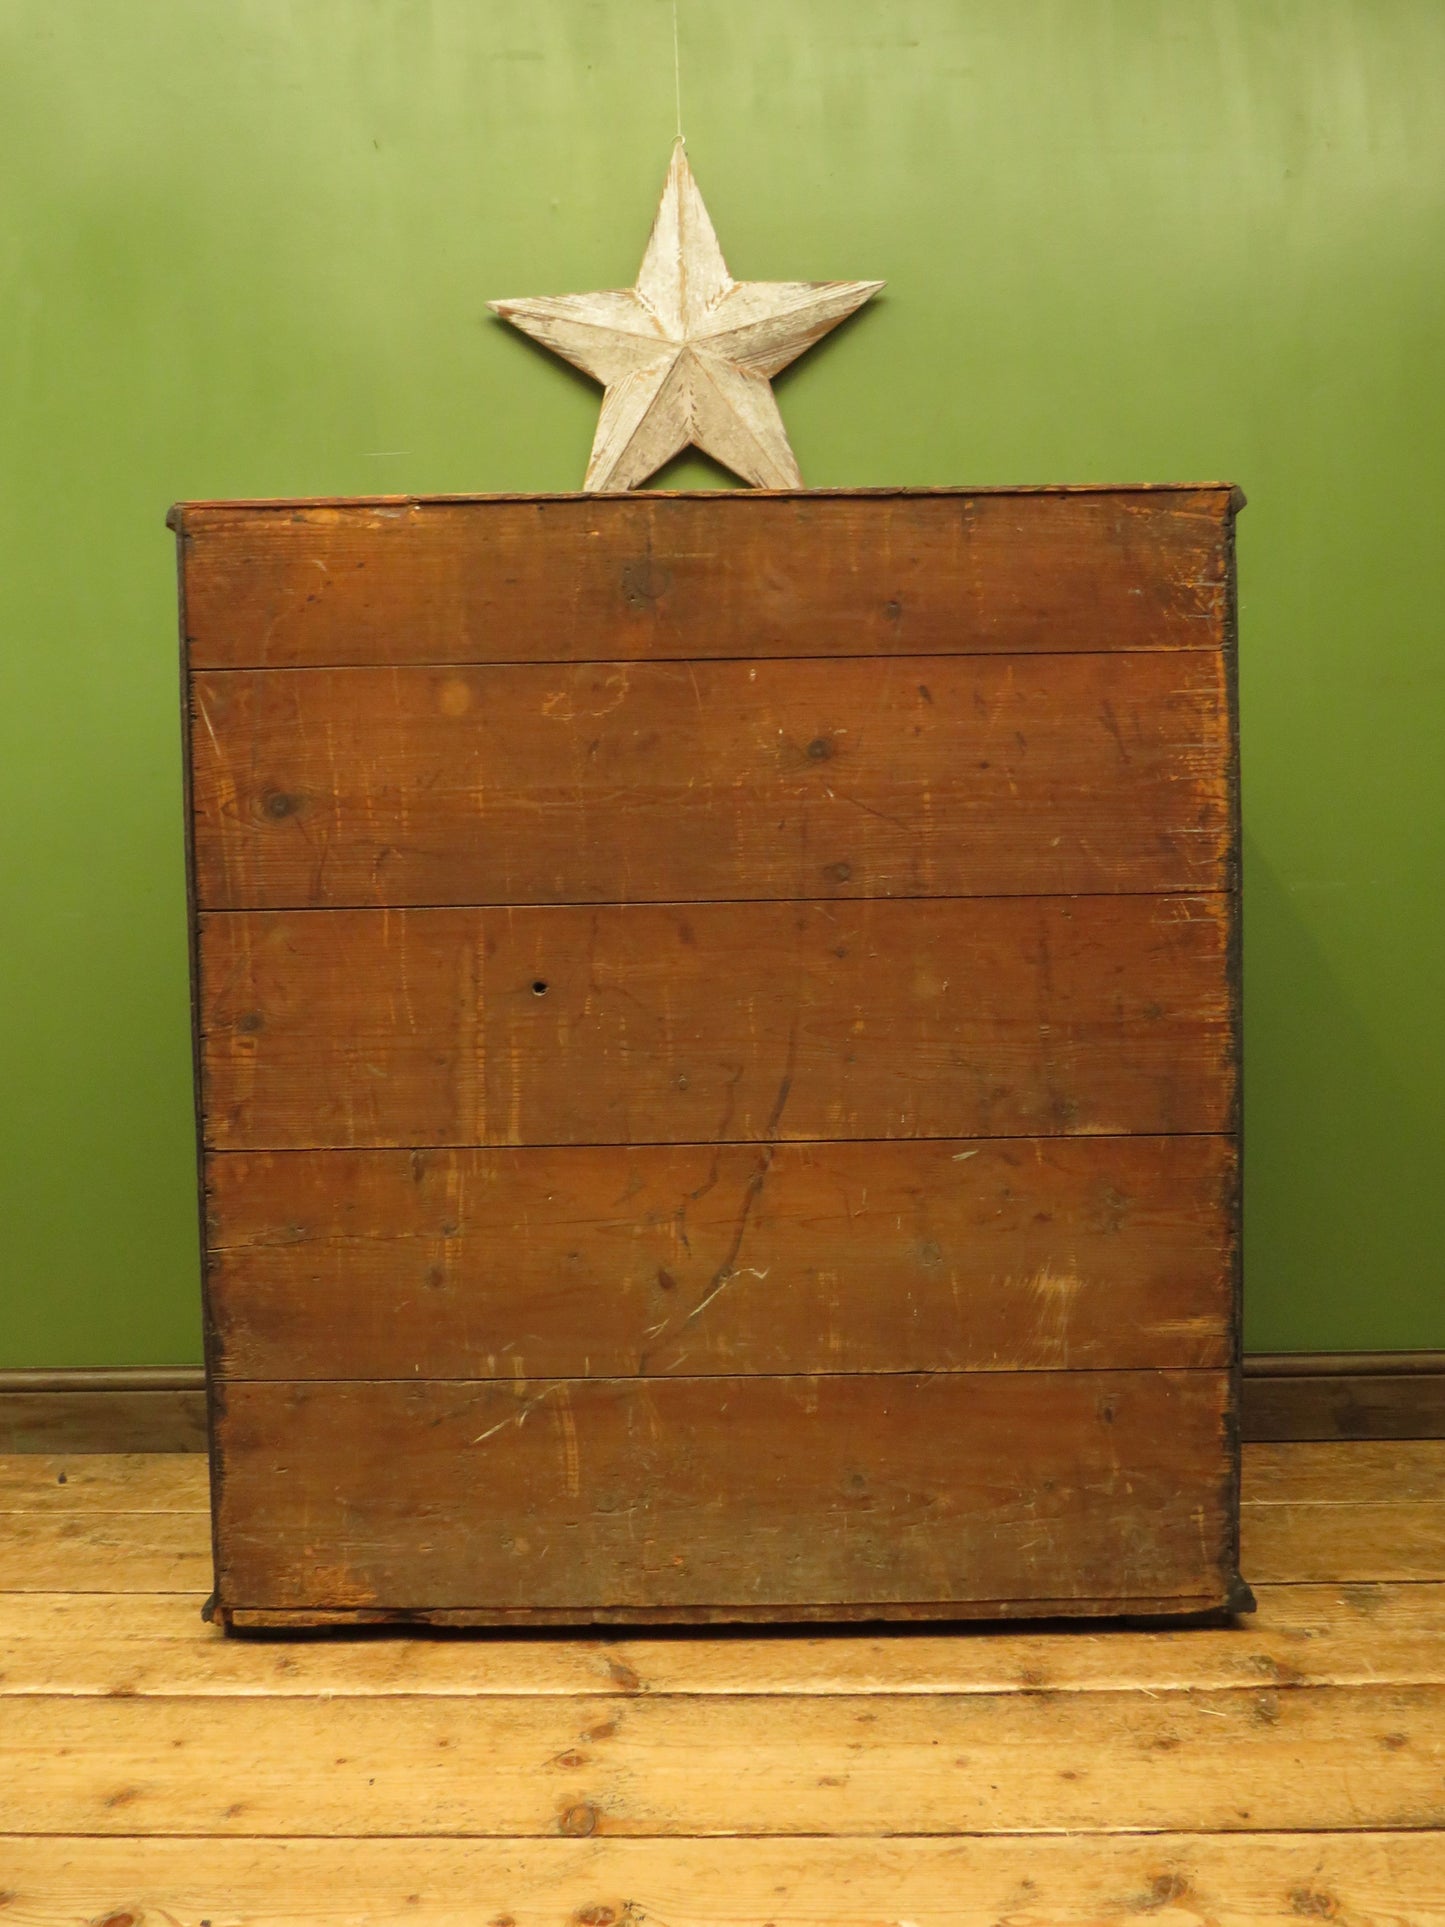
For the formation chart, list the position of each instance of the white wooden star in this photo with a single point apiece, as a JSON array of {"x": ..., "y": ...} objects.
[{"x": 687, "y": 354}]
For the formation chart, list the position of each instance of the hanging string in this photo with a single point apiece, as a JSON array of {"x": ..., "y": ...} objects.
[{"x": 677, "y": 76}]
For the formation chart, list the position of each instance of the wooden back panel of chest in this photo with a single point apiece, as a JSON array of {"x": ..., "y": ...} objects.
[{"x": 717, "y": 1028}]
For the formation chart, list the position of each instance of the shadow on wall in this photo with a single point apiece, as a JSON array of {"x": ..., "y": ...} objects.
[{"x": 1310, "y": 1240}]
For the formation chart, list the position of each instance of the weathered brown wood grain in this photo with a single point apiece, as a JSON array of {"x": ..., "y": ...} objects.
[
  {"x": 589, "y": 1260},
  {"x": 112, "y": 1417},
  {"x": 1349, "y": 1402},
  {"x": 651, "y": 782},
  {"x": 715, "y": 1022},
  {"x": 1397, "y": 1405},
  {"x": 678, "y": 577},
  {"x": 945, "y": 1490},
  {"x": 697, "y": 1130},
  {"x": 142, "y": 1523}
]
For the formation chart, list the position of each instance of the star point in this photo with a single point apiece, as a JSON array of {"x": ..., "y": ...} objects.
[{"x": 686, "y": 356}]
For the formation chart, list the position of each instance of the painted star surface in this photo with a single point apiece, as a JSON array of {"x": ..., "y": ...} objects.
[{"x": 687, "y": 355}]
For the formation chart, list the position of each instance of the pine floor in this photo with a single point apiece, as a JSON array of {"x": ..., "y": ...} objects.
[{"x": 1291, "y": 1769}]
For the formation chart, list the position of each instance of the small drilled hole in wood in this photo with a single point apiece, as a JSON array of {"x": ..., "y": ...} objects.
[{"x": 540, "y": 987}]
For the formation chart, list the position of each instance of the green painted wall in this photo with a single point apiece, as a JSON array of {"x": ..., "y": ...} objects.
[{"x": 244, "y": 250}]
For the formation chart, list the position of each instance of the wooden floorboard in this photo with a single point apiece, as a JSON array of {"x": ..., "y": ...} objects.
[
  {"x": 1289, "y": 1767},
  {"x": 1359, "y": 1511},
  {"x": 155, "y": 1644},
  {"x": 1329, "y": 1756},
  {"x": 1174, "y": 1880}
]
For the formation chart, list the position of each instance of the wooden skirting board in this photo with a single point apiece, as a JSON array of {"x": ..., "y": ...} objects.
[
  {"x": 1288, "y": 1395},
  {"x": 158, "y": 1408},
  {"x": 1344, "y": 1395}
]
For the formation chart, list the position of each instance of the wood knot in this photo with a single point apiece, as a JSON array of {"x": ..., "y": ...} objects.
[
  {"x": 1313, "y": 1904},
  {"x": 577, "y": 1822},
  {"x": 1164, "y": 1890}
]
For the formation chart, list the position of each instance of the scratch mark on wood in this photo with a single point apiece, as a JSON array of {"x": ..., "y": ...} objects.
[{"x": 519, "y": 1417}]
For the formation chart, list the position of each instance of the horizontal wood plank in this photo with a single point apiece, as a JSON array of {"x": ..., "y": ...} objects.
[
  {"x": 1374, "y": 1510},
  {"x": 1346, "y": 1404},
  {"x": 677, "y": 577},
  {"x": 109, "y": 1419},
  {"x": 156, "y": 1644},
  {"x": 843, "y": 1765},
  {"x": 721, "y": 1493},
  {"x": 1305, "y": 1518},
  {"x": 1238, "y": 1880},
  {"x": 717, "y": 1022},
  {"x": 656, "y": 782},
  {"x": 601, "y": 1260},
  {"x": 107, "y": 1551},
  {"x": 56, "y": 1484},
  {"x": 163, "y": 1410},
  {"x": 1377, "y": 1473}
]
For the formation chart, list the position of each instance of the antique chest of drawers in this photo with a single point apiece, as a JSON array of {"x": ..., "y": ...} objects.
[{"x": 717, "y": 1033}]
